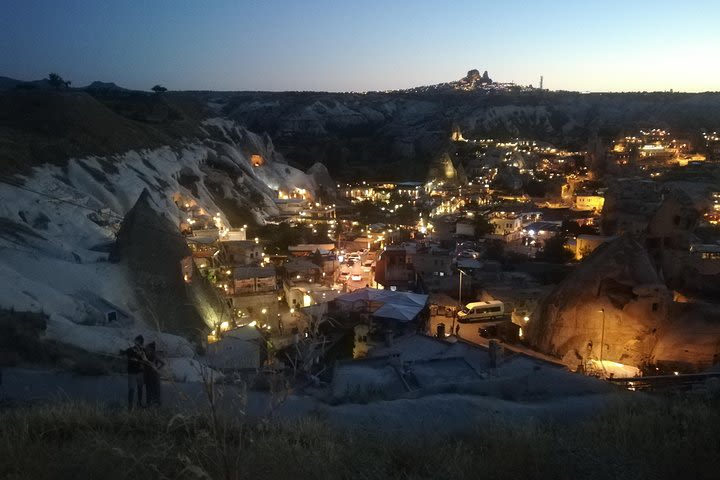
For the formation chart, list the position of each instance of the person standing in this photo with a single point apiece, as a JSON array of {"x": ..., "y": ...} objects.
[
  {"x": 135, "y": 360},
  {"x": 151, "y": 375}
]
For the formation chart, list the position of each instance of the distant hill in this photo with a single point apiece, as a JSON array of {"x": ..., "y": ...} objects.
[
  {"x": 7, "y": 83},
  {"x": 39, "y": 126},
  {"x": 397, "y": 134},
  {"x": 381, "y": 135},
  {"x": 106, "y": 86}
]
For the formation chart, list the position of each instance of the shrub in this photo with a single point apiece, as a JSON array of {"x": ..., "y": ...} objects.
[{"x": 665, "y": 438}]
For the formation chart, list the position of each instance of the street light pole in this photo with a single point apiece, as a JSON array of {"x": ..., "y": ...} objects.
[
  {"x": 460, "y": 289},
  {"x": 459, "y": 300},
  {"x": 602, "y": 339}
]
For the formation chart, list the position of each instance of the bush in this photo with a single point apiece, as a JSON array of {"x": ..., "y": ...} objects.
[{"x": 666, "y": 438}]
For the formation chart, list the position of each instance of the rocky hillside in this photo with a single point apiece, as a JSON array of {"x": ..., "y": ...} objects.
[
  {"x": 615, "y": 307},
  {"x": 38, "y": 127},
  {"x": 397, "y": 134},
  {"x": 75, "y": 166},
  {"x": 384, "y": 135}
]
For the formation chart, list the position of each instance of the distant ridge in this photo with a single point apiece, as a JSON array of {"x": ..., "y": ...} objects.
[
  {"x": 472, "y": 82},
  {"x": 7, "y": 83},
  {"x": 97, "y": 85}
]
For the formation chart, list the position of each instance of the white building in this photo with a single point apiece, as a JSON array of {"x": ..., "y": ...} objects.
[
  {"x": 589, "y": 202},
  {"x": 243, "y": 348},
  {"x": 506, "y": 225}
]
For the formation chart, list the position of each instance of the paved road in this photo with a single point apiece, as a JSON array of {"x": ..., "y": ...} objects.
[
  {"x": 366, "y": 278},
  {"x": 470, "y": 333}
]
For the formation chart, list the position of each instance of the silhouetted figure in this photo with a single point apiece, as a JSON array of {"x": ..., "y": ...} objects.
[
  {"x": 457, "y": 330},
  {"x": 151, "y": 375},
  {"x": 135, "y": 361}
]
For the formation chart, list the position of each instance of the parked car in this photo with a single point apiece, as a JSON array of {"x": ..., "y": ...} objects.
[{"x": 367, "y": 266}]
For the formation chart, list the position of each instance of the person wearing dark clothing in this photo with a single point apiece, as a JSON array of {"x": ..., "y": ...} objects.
[
  {"x": 151, "y": 375},
  {"x": 135, "y": 361}
]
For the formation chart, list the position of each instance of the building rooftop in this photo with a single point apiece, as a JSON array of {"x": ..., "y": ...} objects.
[
  {"x": 300, "y": 265},
  {"x": 543, "y": 226},
  {"x": 239, "y": 243},
  {"x": 243, "y": 273}
]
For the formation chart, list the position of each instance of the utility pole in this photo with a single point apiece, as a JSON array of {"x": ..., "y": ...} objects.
[
  {"x": 460, "y": 289},
  {"x": 602, "y": 339},
  {"x": 459, "y": 299}
]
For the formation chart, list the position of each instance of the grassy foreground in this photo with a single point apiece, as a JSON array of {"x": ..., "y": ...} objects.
[{"x": 669, "y": 438}]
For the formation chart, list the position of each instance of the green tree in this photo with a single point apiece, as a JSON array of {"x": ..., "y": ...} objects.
[
  {"x": 405, "y": 215},
  {"x": 554, "y": 250},
  {"x": 57, "y": 82},
  {"x": 317, "y": 258},
  {"x": 367, "y": 212},
  {"x": 482, "y": 226},
  {"x": 495, "y": 250},
  {"x": 159, "y": 89},
  {"x": 320, "y": 235}
]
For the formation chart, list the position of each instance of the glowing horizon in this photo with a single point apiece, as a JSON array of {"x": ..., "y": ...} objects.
[{"x": 321, "y": 46}]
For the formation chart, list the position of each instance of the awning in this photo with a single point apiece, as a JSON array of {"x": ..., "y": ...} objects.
[
  {"x": 402, "y": 306},
  {"x": 403, "y": 313},
  {"x": 384, "y": 296}
]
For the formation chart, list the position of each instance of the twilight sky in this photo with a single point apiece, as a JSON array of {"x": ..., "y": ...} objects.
[{"x": 358, "y": 45}]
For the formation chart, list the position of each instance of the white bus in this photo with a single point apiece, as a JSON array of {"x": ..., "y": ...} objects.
[{"x": 481, "y": 311}]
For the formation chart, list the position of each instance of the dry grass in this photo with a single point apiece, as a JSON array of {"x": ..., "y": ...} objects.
[{"x": 670, "y": 438}]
